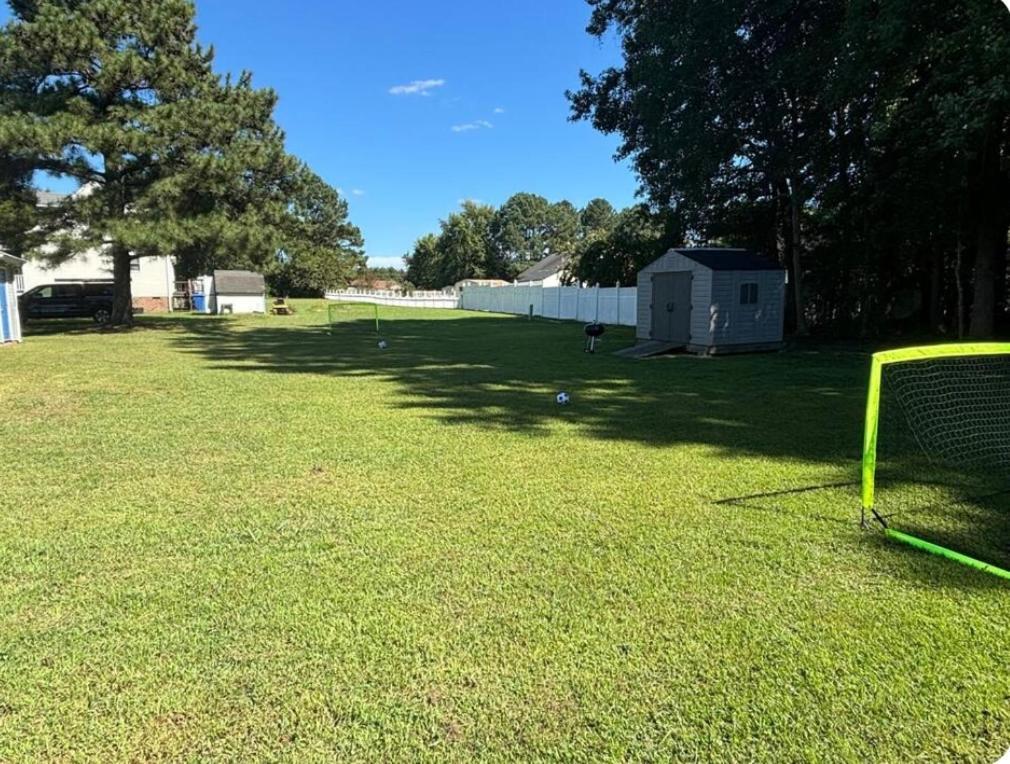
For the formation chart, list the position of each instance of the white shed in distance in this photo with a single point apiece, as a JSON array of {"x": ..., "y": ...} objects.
[
  {"x": 710, "y": 300},
  {"x": 239, "y": 292}
]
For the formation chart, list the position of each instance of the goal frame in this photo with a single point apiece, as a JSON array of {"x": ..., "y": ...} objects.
[
  {"x": 872, "y": 425},
  {"x": 339, "y": 304}
]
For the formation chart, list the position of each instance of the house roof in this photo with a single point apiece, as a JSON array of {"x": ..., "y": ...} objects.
[
  {"x": 5, "y": 258},
  {"x": 49, "y": 198},
  {"x": 727, "y": 259},
  {"x": 365, "y": 283},
  {"x": 549, "y": 266},
  {"x": 482, "y": 282},
  {"x": 239, "y": 283}
]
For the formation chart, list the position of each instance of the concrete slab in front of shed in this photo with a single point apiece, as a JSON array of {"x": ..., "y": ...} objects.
[{"x": 649, "y": 349}]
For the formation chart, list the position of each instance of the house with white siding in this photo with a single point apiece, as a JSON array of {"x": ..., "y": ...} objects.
[{"x": 152, "y": 278}]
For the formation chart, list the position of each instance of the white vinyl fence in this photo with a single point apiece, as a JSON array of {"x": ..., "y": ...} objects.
[
  {"x": 403, "y": 300},
  {"x": 617, "y": 306}
]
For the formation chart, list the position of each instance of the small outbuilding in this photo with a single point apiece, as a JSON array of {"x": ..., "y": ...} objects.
[
  {"x": 10, "y": 318},
  {"x": 239, "y": 292},
  {"x": 711, "y": 300}
]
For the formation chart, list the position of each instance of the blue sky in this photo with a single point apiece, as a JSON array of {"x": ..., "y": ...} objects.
[{"x": 496, "y": 71}]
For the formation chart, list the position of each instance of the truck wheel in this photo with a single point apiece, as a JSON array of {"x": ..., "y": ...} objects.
[{"x": 102, "y": 316}]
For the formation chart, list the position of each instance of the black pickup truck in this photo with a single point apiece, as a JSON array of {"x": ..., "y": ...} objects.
[{"x": 69, "y": 299}]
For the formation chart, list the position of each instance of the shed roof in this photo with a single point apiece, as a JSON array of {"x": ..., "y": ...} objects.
[
  {"x": 549, "y": 266},
  {"x": 239, "y": 283},
  {"x": 727, "y": 259},
  {"x": 49, "y": 198}
]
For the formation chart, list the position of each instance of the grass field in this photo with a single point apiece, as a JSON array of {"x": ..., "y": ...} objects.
[{"x": 252, "y": 539}]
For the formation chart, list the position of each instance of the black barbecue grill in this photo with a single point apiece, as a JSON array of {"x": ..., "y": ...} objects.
[{"x": 594, "y": 331}]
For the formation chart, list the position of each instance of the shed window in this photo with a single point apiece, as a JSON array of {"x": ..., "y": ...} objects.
[{"x": 748, "y": 294}]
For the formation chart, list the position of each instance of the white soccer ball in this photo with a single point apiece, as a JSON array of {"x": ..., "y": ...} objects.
[
  {"x": 383, "y": 345},
  {"x": 563, "y": 398}
]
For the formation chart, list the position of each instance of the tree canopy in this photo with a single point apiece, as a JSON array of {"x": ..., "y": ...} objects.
[
  {"x": 172, "y": 159},
  {"x": 598, "y": 244},
  {"x": 864, "y": 144}
]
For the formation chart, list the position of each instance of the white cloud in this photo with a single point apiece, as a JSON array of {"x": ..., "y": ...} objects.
[
  {"x": 357, "y": 192},
  {"x": 477, "y": 124},
  {"x": 501, "y": 109},
  {"x": 417, "y": 87}
]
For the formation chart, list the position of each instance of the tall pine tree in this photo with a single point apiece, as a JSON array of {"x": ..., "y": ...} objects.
[{"x": 171, "y": 158}]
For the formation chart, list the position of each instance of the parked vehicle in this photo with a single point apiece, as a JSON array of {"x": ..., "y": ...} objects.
[{"x": 69, "y": 299}]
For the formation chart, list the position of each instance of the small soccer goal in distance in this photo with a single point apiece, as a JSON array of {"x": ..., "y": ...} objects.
[
  {"x": 353, "y": 314},
  {"x": 936, "y": 451}
]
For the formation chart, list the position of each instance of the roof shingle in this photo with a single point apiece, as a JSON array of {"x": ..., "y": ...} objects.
[
  {"x": 239, "y": 283},
  {"x": 726, "y": 259},
  {"x": 549, "y": 266}
]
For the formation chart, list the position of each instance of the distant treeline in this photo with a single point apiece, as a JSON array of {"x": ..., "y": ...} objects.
[{"x": 599, "y": 244}]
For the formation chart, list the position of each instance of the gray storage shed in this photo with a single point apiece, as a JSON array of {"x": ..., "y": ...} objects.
[{"x": 711, "y": 300}]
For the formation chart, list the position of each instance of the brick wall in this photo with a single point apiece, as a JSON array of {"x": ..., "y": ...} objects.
[{"x": 151, "y": 304}]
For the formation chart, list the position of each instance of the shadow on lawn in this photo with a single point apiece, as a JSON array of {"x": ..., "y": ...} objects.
[
  {"x": 84, "y": 326},
  {"x": 503, "y": 372},
  {"x": 494, "y": 371}
]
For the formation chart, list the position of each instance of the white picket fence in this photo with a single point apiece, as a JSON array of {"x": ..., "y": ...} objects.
[
  {"x": 404, "y": 300},
  {"x": 617, "y": 306}
]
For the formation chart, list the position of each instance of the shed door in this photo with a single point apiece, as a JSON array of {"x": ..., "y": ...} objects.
[{"x": 671, "y": 307}]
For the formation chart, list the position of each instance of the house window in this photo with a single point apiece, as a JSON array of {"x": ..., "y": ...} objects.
[
  {"x": 748, "y": 294},
  {"x": 135, "y": 265}
]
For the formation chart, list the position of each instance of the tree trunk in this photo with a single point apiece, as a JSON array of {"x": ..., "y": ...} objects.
[
  {"x": 122, "y": 291},
  {"x": 784, "y": 247},
  {"x": 990, "y": 242},
  {"x": 1000, "y": 267},
  {"x": 936, "y": 291},
  {"x": 959, "y": 282},
  {"x": 983, "y": 303},
  {"x": 795, "y": 209}
]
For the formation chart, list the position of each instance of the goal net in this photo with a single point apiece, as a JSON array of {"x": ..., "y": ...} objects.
[
  {"x": 353, "y": 318},
  {"x": 936, "y": 457}
]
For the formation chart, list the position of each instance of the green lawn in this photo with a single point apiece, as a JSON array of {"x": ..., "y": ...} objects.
[{"x": 251, "y": 539}]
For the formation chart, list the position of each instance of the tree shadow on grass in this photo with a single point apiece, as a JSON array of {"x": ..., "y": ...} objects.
[
  {"x": 491, "y": 371},
  {"x": 495, "y": 371},
  {"x": 84, "y": 326},
  {"x": 968, "y": 517},
  {"x": 976, "y": 525}
]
